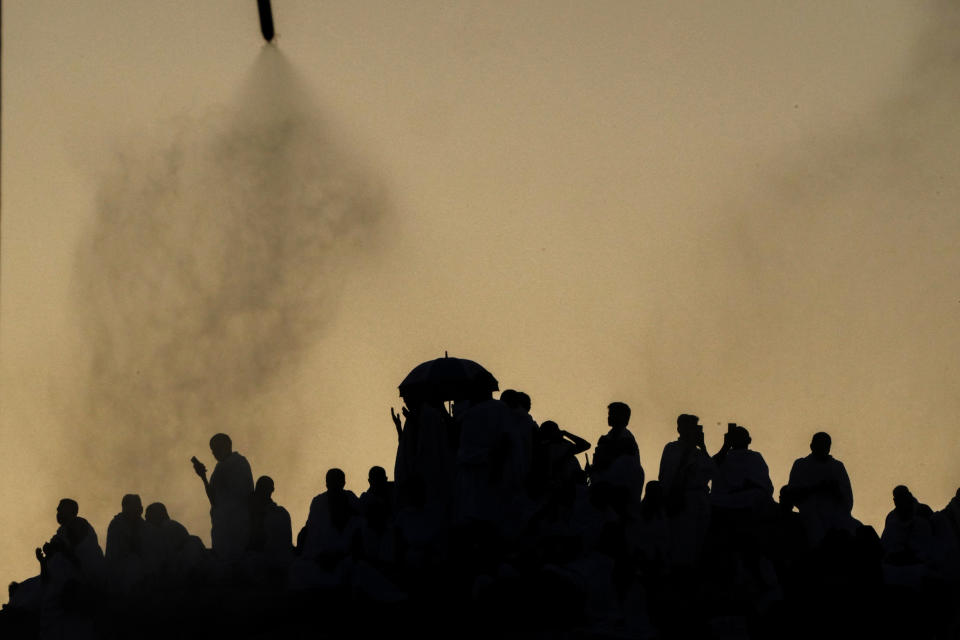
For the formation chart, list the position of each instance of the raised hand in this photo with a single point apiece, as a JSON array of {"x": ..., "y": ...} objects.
[
  {"x": 199, "y": 468},
  {"x": 396, "y": 421}
]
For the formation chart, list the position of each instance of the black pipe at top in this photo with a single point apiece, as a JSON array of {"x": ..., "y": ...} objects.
[{"x": 266, "y": 19}]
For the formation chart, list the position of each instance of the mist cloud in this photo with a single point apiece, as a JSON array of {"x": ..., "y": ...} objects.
[
  {"x": 212, "y": 263},
  {"x": 828, "y": 289}
]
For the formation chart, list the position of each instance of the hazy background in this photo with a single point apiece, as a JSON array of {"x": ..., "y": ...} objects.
[{"x": 745, "y": 210}]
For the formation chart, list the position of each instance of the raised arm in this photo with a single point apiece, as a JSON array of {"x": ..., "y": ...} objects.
[
  {"x": 580, "y": 445},
  {"x": 201, "y": 470},
  {"x": 396, "y": 422}
]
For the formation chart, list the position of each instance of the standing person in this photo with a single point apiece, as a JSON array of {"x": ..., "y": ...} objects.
[
  {"x": 408, "y": 437},
  {"x": 820, "y": 489},
  {"x": 616, "y": 460},
  {"x": 519, "y": 432},
  {"x": 228, "y": 490},
  {"x": 555, "y": 458},
  {"x": 685, "y": 471},
  {"x": 483, "y": 454},
  {"x": 425, "y": 449},
  {"x": 741, "y": 493},
  {"x": 618, "y": 442}
]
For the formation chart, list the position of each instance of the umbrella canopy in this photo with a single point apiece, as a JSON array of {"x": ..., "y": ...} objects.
[{"x": 448, "y": 378}]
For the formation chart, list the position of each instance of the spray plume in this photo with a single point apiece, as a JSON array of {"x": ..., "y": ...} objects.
[{"x": 212, "y": 264}]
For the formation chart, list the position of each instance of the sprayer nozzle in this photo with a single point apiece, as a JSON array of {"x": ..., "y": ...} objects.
[{"x": 266, "y": 19}]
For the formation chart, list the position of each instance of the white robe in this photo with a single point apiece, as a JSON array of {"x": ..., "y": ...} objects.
[
  {"x": 742, "y": 481},
  {"x": 278, "y": 532},
  {"x": 913, "y": 540},
  {"x": 483, "y": 429},
  {"x": 274, "y": 551},
  {"x": 124, "y": 553},
  {"x": 913, "y": 536},
  {"x": 434, "y": 460},
  {"x": 326, "y": 560},
  {"x": 424, "y": 450},
  {"x": 685, "y": 473},
  {"x": 519, "y": 431},
  {"x": 827, "y": 497},
  {"x": 230, "y": 486},
  {"x": 321, "y": 536},
  {"x": 88, "y": 554},
  {"x": 170, "y": 552}
]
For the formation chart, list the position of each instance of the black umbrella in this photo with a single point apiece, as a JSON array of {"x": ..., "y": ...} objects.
[{"x": 448, "y": 378}]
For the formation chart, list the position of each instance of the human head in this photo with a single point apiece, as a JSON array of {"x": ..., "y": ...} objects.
[
  {"x": 904, "y": 504},
  {"x": 377, "y": 476},
  {"x": 336, "y": 480},
  {"x": 618, "y": 415},
  {"x": 688, "y": 426},
  {"x": 221, "y": 446},
  {"x": 131, "y": 506},
  {"x": 902, "y": 498},
  {"x": 820, "y": 444},
  {"x": 510, "y": 398},
  {"x": 67, "y": 510},
  {"x": 523, "y": 401},
  {"x": 156, "y": 513},
  {"x": 740, "y": 437},
  {"x": 264, "y": 487},
  {"x": 549, "y": 430}
]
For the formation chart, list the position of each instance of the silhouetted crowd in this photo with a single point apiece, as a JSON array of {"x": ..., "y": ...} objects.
[{"x": 492, "y": 527}]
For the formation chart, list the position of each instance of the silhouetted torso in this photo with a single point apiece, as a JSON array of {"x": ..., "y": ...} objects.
[
  {"x": 124, "y": 537},
  {"x": 271, "y": 530},
  {"x": 231, "y": 484},
  {"x": 823, "y": 495},
  {"x": 742, "y": 481}
]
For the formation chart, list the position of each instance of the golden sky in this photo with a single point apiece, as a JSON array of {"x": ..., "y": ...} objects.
[{"x": 745, "y": 210}]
